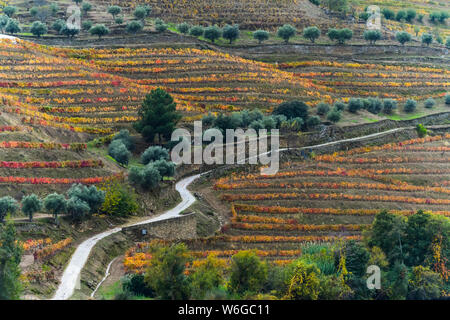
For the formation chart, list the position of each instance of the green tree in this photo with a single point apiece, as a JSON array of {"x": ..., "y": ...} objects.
[
  {"x": 292, "y": 109},
  {"x": 354, "y": 105},
  {"x": 119, "y": 152},
  {"x": 196, "y": 31},
  {"x": 388, "y": 13},
  {"x": 397, "y": 279},
  {"x": 429, "y": 103},
  {"x": 410, "y": 106},
  {"x": 38, "y": 29},
  {"x": 120, "y": 201},
  {"x": 248, "y": 272},
  {"x": 427, "y": 39},
  {"x": 311, "y": 33},
  {"x": 154, "y": 153},
  {"x": 10, "y": 257},
  {"x": 3, "y": 21},
  {"x": 322, "y": 108},
  {"x": 183, "y": 27},
  {"x": 165, "y": 168},
  {"x": 99, "y": 30},
  {"x": 86, "y": 7},
  {"x": 424, "y": 284},
  {"x": 55, "y": 204},
  {"x": 146, "y": 178},
  {"x": 93, "y": 196},
  {"x": 334, "y": 115},
  {"x": 8, "y": 205},
  {"x": 260, "y": 35},
  {"x": 166, "y": 273},
  {"x": 389, "y": 105},
  {"x": 158, "y": 116},
  {"x": 231, "y": 33},
  {"x": 372, "y": 36},
  {"x": 212, "y": 33},
  {"x": 410, "y": 15},
  {"x": 140, "y": 13},
  {"x": 114, "y": 11},
  {"x": 70, "y": 32},
  {"x": 58, "y": 25},
  {"x": 340, "y": 6},
  {"x": 134, "y": 27},
  {"x": 304, "y": 281},
  {"x": 286, "y": 32},
  {"x": 403, "y": 37},
  {"x": 13, "y": 26},
  {"x": 401, "y": 15},
  {"x": 10, "y": 10},
  {"x": 30, "y": 205},
  {"x": 77, "y": 208},
  {"x": 207, "y": 277},
  {"x": 87, "y": 25}
]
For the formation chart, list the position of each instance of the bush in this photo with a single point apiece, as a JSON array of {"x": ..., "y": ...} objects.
[
  {"x": 410, "y": 106},
  {"x": 429, "y": 103},
  {"x": 375, "y": 105},
  {"x": 372, "y": 36},
  {"x": 323, "y": 108},
  {"x": 260, "y": 35},
  {"x": 12, "y": 26},
  {"x": 292, "y": 109},
  {"x": 140, "y": 13},
  {"x": 99, "y": 30},
  {"x": 311, "y": 33},
  {"x": 334, "y": 116},
  {"x": 134, "y": 27},
  {"x": 196, "y": 31},
  {"x": 124, "y": 136},
  {"x": 165, "y": 168},
  {"x": 135, "y": 284},
  {"x": 91, "y": 195},
  {"x": 286, "y": 32},
  {"x": 401, "y": 15},
  {"x": 248, "y": 272},
  {"x": 146, "y": 178},
  {"x": 70, "y": 32},
  {"x": 410, "y": 15},
  {"x": 208, "y": 120},
  {"x": 389, "y": 105},
  {"x": 340, "y": 35},
  {"x": 34, "y": 11},
  {"x": 119, "y": 200},
  {"x": 38, "y": 29},
  {"x": 230, "y": 33},
  {"x": 119, "y": 21},
  {"x": 9, "y": 11},
  {"x": 354, "y": 105},
  {"x": 86, "y": 6},
  {"x": 183, "y": 27},
  {"x": 447, "y": 99},
  {"x": 427, "y": 39},
  {"x": 339, "y": 106},
  {"x": 403, "y": 37},
  {"x": 212, "y": 33},
  {"x": 154, "y": 153},
  {"x": 421, "y": 130},
  {"x": 364, "y": 16},
  {"x": 55, "y": 204},
  {"x": 30, "y": 205},
  {"x": 161, "y": 27},
  {"x": 119, "y": 152}
]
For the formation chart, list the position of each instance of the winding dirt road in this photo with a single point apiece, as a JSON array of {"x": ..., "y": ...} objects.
[{"x": 71, "y": 275}]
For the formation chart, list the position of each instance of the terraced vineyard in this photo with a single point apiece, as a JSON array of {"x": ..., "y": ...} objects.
[{"x": 330, "y": 197}]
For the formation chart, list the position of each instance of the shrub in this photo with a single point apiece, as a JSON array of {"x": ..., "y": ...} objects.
[
  {"x": 429, "y": 103},
  {"x": 248, "y": 272},
  {"x": 161, "y": 27},
  {"x": 212, "y": 33},
  {"x": 292, "y": 109},
  {"x": 196, "y": 31},
  {"x": 230, "y": 33},
  {"x": 114, "y": 10},
  {"x": 70, "y": 32},
  {"x": 364, "y": 16},
  {"x": 354, "y": 105},
  {"x": 55, "y": 204},
  {"x": 38, "y": 29},
  {"x": 427, "y": 39},
  {"x": 410, "y": 105},
  {"x": 124, "y": 136},
  {"x": 119, "y": 200},
  {"x": 91, "y": 195},
  {"x": 3, "y": 21},
  {"x": 410, "y": 15},
  {"x": 134, "y": 27},
  {"x": 119, "y": 21},
  {"x": 401, "y": 15},
  {"x": 13, "y": 26},
  {"x": 8, "y": 205},
  {"x": 421, "y": 130},
  {"x": 389, "y": 105},
  {"x": 286, "y": 32},
  {"x": 311, "y": 33},
  {"x": 323, "y": 108},
  {"x": 375, "y": 105},
  {"x": 420, "y": 17},
  {"x": 339, "y": 106},
  {"x": 403, "y": 37},
  {"x": 30, "y": 205},
  {"x": 9, "y": 11},
  {"x": 260, "y": 35},
  {"x": 334, "y": 116},
  {"x": 340, "y": 35},
  {"x": 372, "y": 36},
  {"x": 119, "y": 152},
  {"x": 424, "y": 284},
  {"x": 99, "y": 30},
  {"x": 86, "y": 6},
  {"x": 183, "y": 27},
  {"x": 140, "y": 13},
  {"x": 135, "y": 284},
  {"x": 34, "y": 11},
  {"x": 154, "y": 153}
]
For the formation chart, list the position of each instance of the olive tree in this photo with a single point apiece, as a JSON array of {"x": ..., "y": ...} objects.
[{"x": 30, "y": 205}]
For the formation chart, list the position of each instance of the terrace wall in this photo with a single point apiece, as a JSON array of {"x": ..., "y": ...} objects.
[{"x": 179, "y": 228}]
